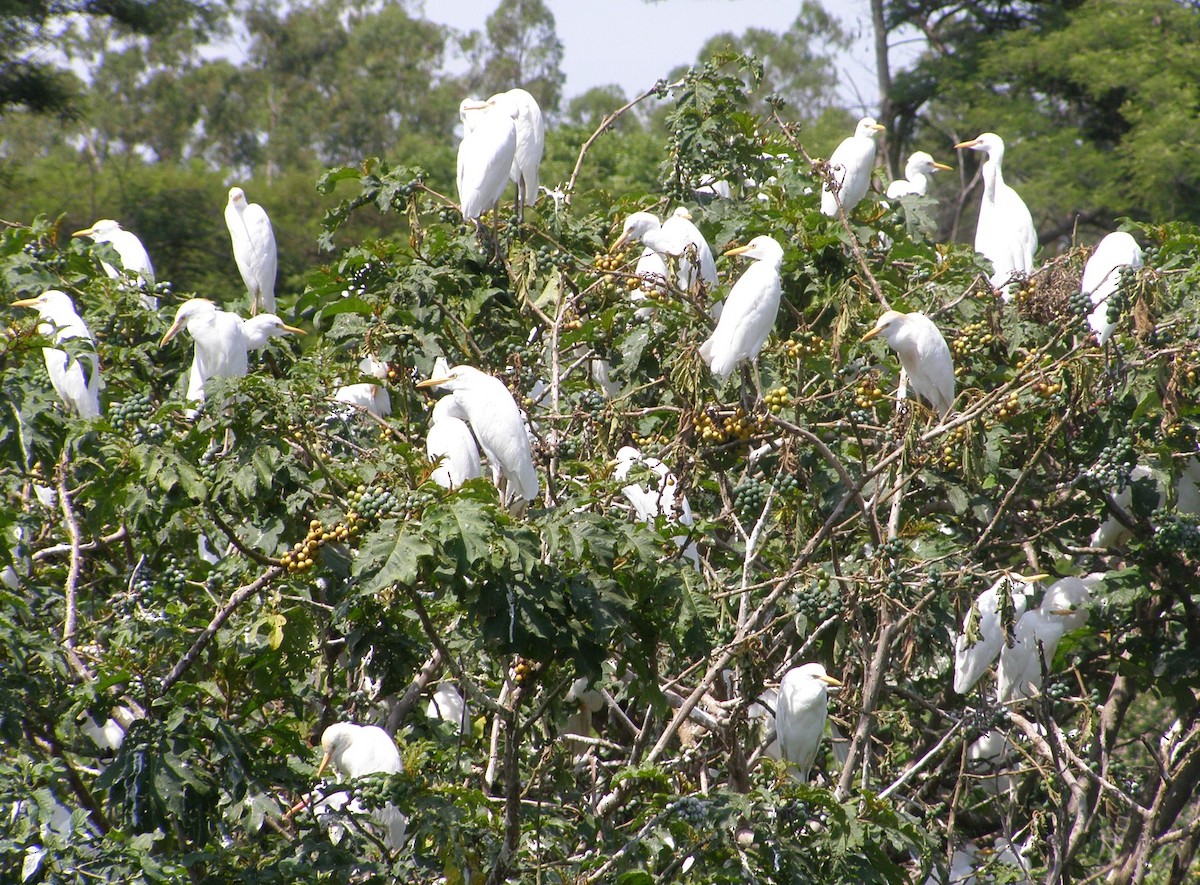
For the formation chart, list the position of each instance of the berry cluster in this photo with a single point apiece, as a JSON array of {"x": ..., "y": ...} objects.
[
  {"x": 131, "y": 417},
  {"x": 955, "y": 440},
  {"x": 1113, "y": 466},
  {"x": 373, "y": 503},
  {"x": 653, "y": 284},
  {"x": 549, "y": 257},
  {"x": 173, "y": 575},
  {"x": 591, "y": 401},
  {"x": 735, "y": 425},
  {"x": 1081, "y": 306},
  {"x": 523, "y": 670},
  {"x": 609, "y": 264},
  {"x": 1008, "y": 408},
  {"x": 804, "y": 344},
  {"x": 749, "y": 497},
  {"x": 1176, "y": 533},
  {"x": 691, "y": 810},
  {"x": 972, "y": 339},
  {"x": 1047, "y": 389},
  {"x": 778, "y": 399},
  {"x": 819, "y": 599},
  {"x": 866, "y": 393},
  {"x": 301, "y": 557}
]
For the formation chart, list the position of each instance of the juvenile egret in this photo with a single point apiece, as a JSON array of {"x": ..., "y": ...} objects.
[
  {"x": 253, "y": 242},
  {"x": 531, "y": 143},
  {"x": 366, "y": 394},
  {"x": 661, "y": 499},
  {"x": 923, "y": 353},
  {"x": 355, "y": 751},
  {"x": 1102, "y": 278},
  {"x": 677, "y": 238},
  {"x": 749, "y": 311},
  {"x": 134, "y": 258},
  {"x": 76, "y": 378},
  {"x": 220, "y": 345},
  {"x": 1004, "y": 234},
  {"x": 916, "y": 175},
  {"x": 800, "y": 713},
  {"x": 486, "y": 153},
  {"x": 450, "y": 445},
  {"x": 260, "y": 329},
  {"x": 449, "y": 706},
  {"x": 850, "y": 165},
  {"x": 496, "y": 421},
  {"x": 982, "y": 636},
  {"x": 1035, "y": 641}
]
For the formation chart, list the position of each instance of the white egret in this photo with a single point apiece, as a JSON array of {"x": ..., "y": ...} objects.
[
  {"x": 355, "y": 751},
  {"x": 917, "y": 170},
  {"x": 135, "y": 260},
  {"x": 800, "y": 713},
  {"x": 1004, "y": 234},
  {"x": 368, "y": 395},
  {"x": 982, "y": 636},
  {"x": 749, "y": 311},
  {"x": 220, "y": 345},
  {"x": 260, "y": 329},
  {"x": 1034, "y": 642},
  {"x": 1102, "y": 278},
  {"x": 76, "y": 378},
  {"x": 1112, "y": 532},
  {"x": 531, "y": 143},
  {"x": 962, "y": 867},
  {"x": 923, "y": 353},
  {"x": 486, "y": 153},
  {"x": 253, "y": 241},
  {"x": 661, "y": 499},
  {"x": 850, "y": 165},
  {"x": 676, "y": 238},
  {"x": 498, "y": 425},
  {"x": 448, "y": 705},
  {"x": 107, "y": 737},
  {"x": 1070, "y": 597},
  {"x": 450, "y": 445}
]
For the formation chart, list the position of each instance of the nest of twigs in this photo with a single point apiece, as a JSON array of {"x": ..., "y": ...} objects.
[{"x": 1045, "y": 296}]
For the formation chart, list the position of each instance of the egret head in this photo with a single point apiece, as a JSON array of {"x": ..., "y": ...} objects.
[
  {"x": 867, "y": 128},
  {"x": 102, "y": 231},
  {"x": 989, "y": 142},
  {"x": 192, "y": 308},
  {"x": 887, "y": 325},
  {"x": 922, "y": 163},
  {"x": 683, "y": 213},
  {"x": 761, "y": 248},
  {"x": 817, "y": 673},
  {"x": 237, "y": 197},
  {"x": 335, "y": 741},
  {"x": 50, "y": 303},
  {"x": 637, "y": 226}
]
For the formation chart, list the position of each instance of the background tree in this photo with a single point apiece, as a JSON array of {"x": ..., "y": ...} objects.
[{"x": 519, "y": 47}]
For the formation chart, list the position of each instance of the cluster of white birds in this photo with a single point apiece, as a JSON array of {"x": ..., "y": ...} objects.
[{"x": 503, "y": 139}]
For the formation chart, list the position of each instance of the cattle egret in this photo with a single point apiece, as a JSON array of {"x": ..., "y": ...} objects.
[
  {"x": 220, "y": 345},
  {"x": 662, "y": 498},
  {"x": 1102, "y": 278},
  {"x": 749, "y": 311},
  {"x": 676, "y": 238},
  {"x": 978, "y": 645},
  {"x": 76, "y": 378},
  {"x": 135, "y": 260},
  {"x": 923, "y": 353},
  {"x": 260, "y": 329},
  {"x": 450, "y": 445},
  {"x": 916, "y": 176},
  {"x": 800, "y": 713},
  {"x": 355, "y": 751},
  {"x": 486, "y": 153},
  {"x": 253, "y": 242},
  {"x": 531, "y": 143},
  {"x": 850, "y": 165}
]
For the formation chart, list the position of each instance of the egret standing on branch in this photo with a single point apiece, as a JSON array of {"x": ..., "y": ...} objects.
[
  {"x": 486, "y": 154},
  {"x": 1102, "y": 278},
  {"x": 916, "y": 176},
  {"x": 135, "y": 260},
  {"x": 220, "y": 345},
  {"x": 850, "y": 165},
  {"x": 677, "y": 238},
  {"x": 660, "y": 499},
  {"x": 1004, "y": 234},
  {"x": 750, "y": 310},
  {"x": 996, "y": 611},
  {"x": 358, "y": 750},
  {"x": 75, "y": 378},
  {"x": 923, "y": 353},
  {"x": 800, "y": 713},
  {"x": 531, "y": 144},
  {"x": 497, "y": 423},
  {"x": 253, "y": 249}
]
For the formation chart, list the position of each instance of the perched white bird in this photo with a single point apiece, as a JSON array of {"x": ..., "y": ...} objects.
[
  {"x": 498, "y": 425},
  {"x": 851, "y": 164},
  {"x": 367, "y": 394},
  {"x": 220, "y": 345},
  {"x": 355, "y": 751},
  {"x": 450, "y": 445},
  {"x": 449, "y": 706},
  {"x": 800, "y": 713},
  {"x": 486, "y": 153},
  {"x": 531, "y": 142},
  {"x": 677, "y": 238},
  {"x": 253, "y": 241},
  {"x": 974, "y": 654},
  {"x": 749, "y": 311},
  {"x": 1102, "y": 278},
  {"x": 1070, "y": 597},
  {"x": 107, "y": 737},
  {"x": 260, "y": 329},
  {"x": 923, "y": 353},
  {"x": 76, "y": 377},
  {"x": 1112, "y": 532},
  {"x": 963, "y": 866},
  {"x": 135, "y": 260},
  {"x": 1036, "y": 639},
  {"x": 1004, "y": 234},
  {"x": 916, "y": 175},
  {"x": 661, "y": 499}
]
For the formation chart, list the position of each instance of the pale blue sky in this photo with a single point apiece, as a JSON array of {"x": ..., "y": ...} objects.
[{"x": 633, "y": 43}]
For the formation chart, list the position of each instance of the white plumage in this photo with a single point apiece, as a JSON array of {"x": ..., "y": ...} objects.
[
  {"x": 800, "y": 713},
  {"x": 531, "y": 142},
  {"x": 749, "y": 311},
  {"x": 451, "y": 446},
  {"x": 449, "y": 706},
  {"x": 1035, "y": 640},
  {"x": 1102, "y": 277},
  {"x": 677, "y": 238},
  {"x": 76, "y": 378},
  {"x": 366, "y": 394},
  {"x": 253, "y": 241},
  {"x": 220, "y": 345},
  {"x": 258, "y": 330},
  {"x": 971, "y": 659},
  {"x": 1070, "y": 598},
  {"x": 917, "y": 170},
  {"x": 486, "y": 153},
  {"x": 135, "y": 260},
  {"x": 355, "y": 751},
  {"x": 498, "y": 426},
  {"x": 923, "y": 353},
  {"x": 1004, "y": 234},
  {"x": 661, "y": 499},
  {"x": 851, "y": 164}
]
